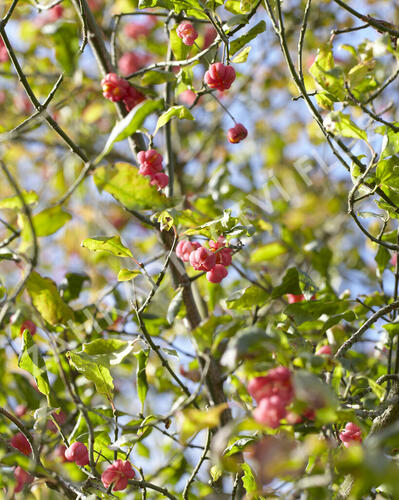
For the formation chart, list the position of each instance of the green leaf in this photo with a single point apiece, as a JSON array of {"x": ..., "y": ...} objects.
[
  {"x": 387, "y": 173},
  {"x": 141, "y": 376},
  {"x": 31, "y": 360},
  {"x": 72, "y": 285},
  {"x": 249, "y": 482},
  {"x": 239, "y": 445},
  {"x": 192, "y": 421},
  {"x": 15, "y": 203},
  {"x": 242, "y": 56},
  {"x": 290, "y": 284},
  {"x": 129, "y": 125},
  {"x": 50, "y": 221},
  {"x": 95, "y": 360},
  {"x": 111, "y": 244},
  {"x": 180, "y": 112},
  {"x": 311, "y": 310},
  {"x": 47, "y": 300},
  {"x": 127, "y": 274},
  {"x": 156, "y": 76},
  {"x": 382, "y": 259},
  {"x": 247, "y": 298},
  {"x": 239, "y": 43},
  {"x": 133, "y": 190},
  {"x": 338, "y": 123},
  {"x": 327, "y": 75},
  {"x": 378, "y": 390},
  {"x": 268, "y": 252},
  {"x": 358, "y": 73},
  {"x": 249, "y": 342},
  {"x": 174, "y": 306},
  {"x": 66, "y": 44}
]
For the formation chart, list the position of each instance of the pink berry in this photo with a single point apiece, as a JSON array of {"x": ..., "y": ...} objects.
[
  {"x": 219, "y": 76},
  {"x": 351, "y": 434},
  {"x": 28, "y": 325},
  {"x": 325, "y": 349},
  {"x": 55, "y": 13},
  {"x": 60, "y": 452},
  {"x": 133, "y": 97},
  {"x": 202, "y": 259},
  {"x": 276, "y": 382},
  {"x": 184, "y": 249},
  {"x": 20, "y": 411},
  {"x": 188, "y": 97},
  {"x": 217, "y": 274},
  {"x": 270, "y": 411},
  {"x": 22, "y": 477},
  {"x": 150, "y": 162},
  {"x": 160, "y": 180},
  {"x": 209, "y": 37},
  {"x": 292, "y": 299},
  {"x": 117, "y": 474},
  {"x": 3, "y": 52},
  {"x": 130, "y": 62},
  {"x": 20, "y": 442},
  {"x": 77, "y": 453},
  {"x": 237, "y": 133},
  {"x": 187, "y": 33},
  {"x": 115, "y": 88},
  {"x": 394, "y": 260},
  {"x": 223, "y": 254},
  {"x": 136, "y": 30},
  {"x": 60, "y": 418}
]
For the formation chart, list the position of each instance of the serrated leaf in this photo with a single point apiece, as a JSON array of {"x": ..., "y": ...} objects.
[
  {"x": 129, "y": 125},
  {"x": 180, "y": 112},
  {"x": 239, "y": 43},
  {"x": 130, "y": 188},
  {"x": 47, "y": 300},
  {"x": 127, "y": 274},
  {"x": 32, "y": 361},
  {"x": 111, "y": 244}
]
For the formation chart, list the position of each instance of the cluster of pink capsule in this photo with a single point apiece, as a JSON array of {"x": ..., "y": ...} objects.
[
  {"x": 150, "y": 164},
  {"x": 274, "y": 392},
  {"x": 213, "y": 260}
]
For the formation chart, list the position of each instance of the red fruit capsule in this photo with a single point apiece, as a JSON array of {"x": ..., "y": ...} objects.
[
  {"x": 20, "y": 442},
  {"x": 77, "y": 453},
  {"x": 351, "y": 435},
  {"x": 117, "y": 474},
  {"x": 202, "y": 259},
  {"x": 22, "y": 477},
  {"x": 237, "y": 133},
  {"x": 187, "y": 33},
  {"x": 219, "y": 76},
  {"x": 217, "y": 274},
  {"x": 28, "y": 325},
  {"x": 184, "y": 249},
  {"x": 114, "y": 88}
]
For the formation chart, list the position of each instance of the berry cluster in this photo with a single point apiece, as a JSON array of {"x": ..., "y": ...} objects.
[
  {"x": 187, "y": 33},
  {"x": 352, "y": 434},
  {"x": 273, "y": 393},
  {"x": 118, "y": 89},
  {"x": 213, "y": 260},
  {"x": 150, "y": 163}
]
